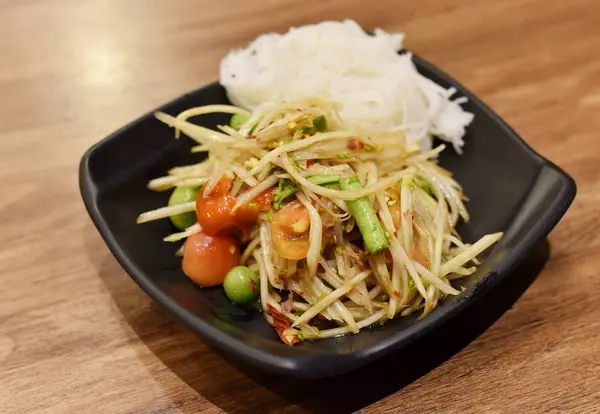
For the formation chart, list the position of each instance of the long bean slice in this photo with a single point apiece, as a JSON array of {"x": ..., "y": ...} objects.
[{"x": 363, "y": 212}]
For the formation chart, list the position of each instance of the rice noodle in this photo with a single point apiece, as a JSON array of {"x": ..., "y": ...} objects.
[{"x": 375, "y": 87}]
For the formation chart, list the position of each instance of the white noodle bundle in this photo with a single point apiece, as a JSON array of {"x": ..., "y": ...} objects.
[{"x": 376, "y": 88}]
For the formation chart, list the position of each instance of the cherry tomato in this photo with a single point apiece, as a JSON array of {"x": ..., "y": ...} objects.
[
  {"x": 418, "y": 254},
  {"x": 396, "y": 215},
  {"x": 290, "y": 231},
  {"x": 207, "y": 259},
  {"x": 387, "y": 257},
  {"x": 214, "y": 214},
  {"x": 246, "y": 214},
  {"x": 222, "y": 188},
  {"x": 264, "y": 200},
  {"x": 420, "y": 257},
  {"x": 217, "y": 213},
  {"x": 327, "y": 236}
]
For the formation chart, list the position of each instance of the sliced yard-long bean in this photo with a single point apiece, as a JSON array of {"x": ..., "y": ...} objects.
[{"x": 366, "y": 219}]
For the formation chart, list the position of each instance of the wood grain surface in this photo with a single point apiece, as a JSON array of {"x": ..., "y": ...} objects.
[{"x": 78, "y": 336}]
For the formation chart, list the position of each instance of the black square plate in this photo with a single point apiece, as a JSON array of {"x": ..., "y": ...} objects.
[{"x": 511, "y": 188}]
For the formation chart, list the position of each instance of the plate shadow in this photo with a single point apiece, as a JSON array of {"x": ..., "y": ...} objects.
[{"x": 240, "y": 388}]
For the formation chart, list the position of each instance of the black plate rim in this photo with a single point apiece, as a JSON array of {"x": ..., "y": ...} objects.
[{"x": 294, "y": 366}]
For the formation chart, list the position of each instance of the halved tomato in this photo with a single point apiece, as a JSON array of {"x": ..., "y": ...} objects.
[
  {"x": 290, "y": 231},
  {"x": 264, "y": 200},
  {"x": 222, "y": 188},
  {"x": 214, "y": 214}
]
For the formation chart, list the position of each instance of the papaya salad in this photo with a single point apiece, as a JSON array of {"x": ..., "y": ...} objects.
[{"x": 330, "y": 228}]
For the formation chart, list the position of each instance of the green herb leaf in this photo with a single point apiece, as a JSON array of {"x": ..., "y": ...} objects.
[
  {"x": 320, "y": 123},
  {"x": 285, "y": 188},
  {"x": 252, "y": 129},
  {"x": 427, "y": 187}
]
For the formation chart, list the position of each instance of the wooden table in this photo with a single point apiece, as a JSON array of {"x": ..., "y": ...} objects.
[{"x": 78, "y": 336}]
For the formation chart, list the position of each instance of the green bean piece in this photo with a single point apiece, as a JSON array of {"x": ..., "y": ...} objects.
[
  {"x": 324, "y": 179},
  {"x": 320, "y": 123},
  {"x": 366, "y": 218},
  {"x": 285, "y": 188}
]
